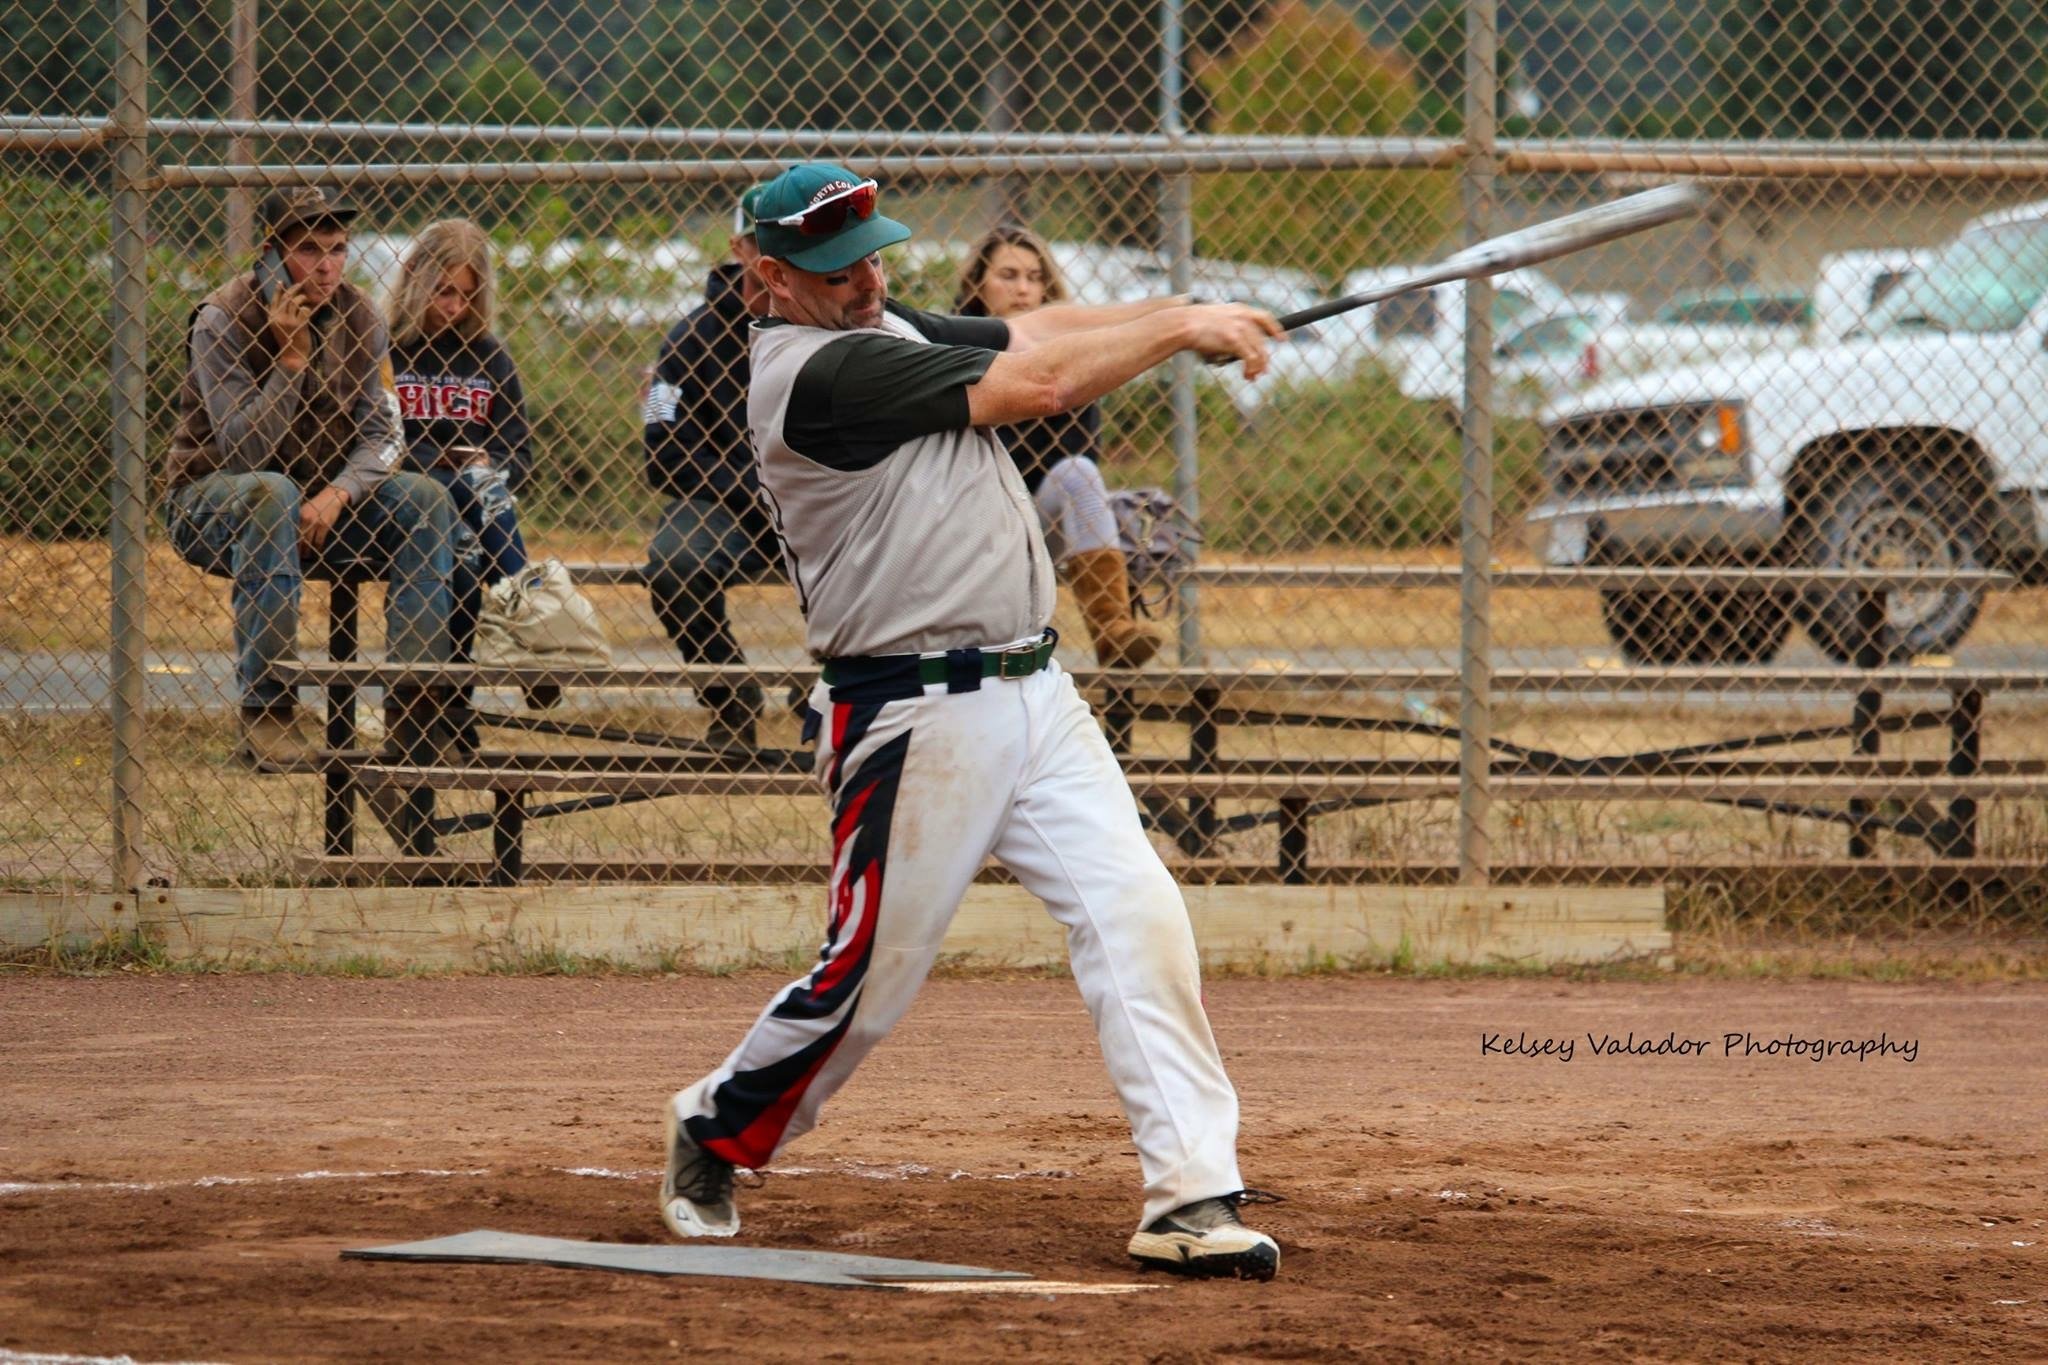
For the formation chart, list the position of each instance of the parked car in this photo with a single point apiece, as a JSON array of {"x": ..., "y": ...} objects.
[
  {"x": 1420, "y": 337},
  {"x": 1920, "y": 445},
  {"x": 1536, "y": 359},
  {"x": 1740, "y": 308},
  {"x": 632, "y": 284}
]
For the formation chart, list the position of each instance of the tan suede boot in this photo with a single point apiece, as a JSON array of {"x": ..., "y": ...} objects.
[
  {"x": 1102, "y": 585},
  {"x": 277, "y": 738}
]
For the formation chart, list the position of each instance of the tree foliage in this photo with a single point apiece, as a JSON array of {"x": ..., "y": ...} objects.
[
  {"x": 56, "y": 297},
  {"x": 1871, "y": 69},
  {"x": 1312, "y": 70}
]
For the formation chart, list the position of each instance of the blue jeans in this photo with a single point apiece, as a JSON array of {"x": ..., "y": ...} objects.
[
  {"x": 483, "y": 499},
  {"x": 699, "y": 548},
  {"x": 246, "y": 527}
]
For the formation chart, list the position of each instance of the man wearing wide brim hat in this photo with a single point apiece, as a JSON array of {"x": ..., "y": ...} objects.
[{"x": 946, "y": 731}]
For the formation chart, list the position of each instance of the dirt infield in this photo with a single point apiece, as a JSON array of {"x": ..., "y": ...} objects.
[{"x": 161, "y": 1138}]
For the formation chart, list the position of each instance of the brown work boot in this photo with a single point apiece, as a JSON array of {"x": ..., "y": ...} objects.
[
  {"x": 1102, "y": 585},
  {"x": 275, "y": 737}
]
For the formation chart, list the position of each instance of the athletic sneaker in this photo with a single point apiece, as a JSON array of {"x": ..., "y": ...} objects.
[
  {"x": 1206, "y": 1238},
  {"x": 696, "y": 1194}
]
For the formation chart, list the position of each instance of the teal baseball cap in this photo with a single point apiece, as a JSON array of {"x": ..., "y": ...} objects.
[{"x": 821, "y": 217}]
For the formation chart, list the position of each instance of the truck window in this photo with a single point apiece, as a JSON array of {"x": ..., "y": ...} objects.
[{"x": 1983, "y": 281}]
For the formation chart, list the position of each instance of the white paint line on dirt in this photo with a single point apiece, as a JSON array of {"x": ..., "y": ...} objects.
[
  {"x": 902, "y": 1171},
  {"x": 8, "y": 1357},
  {"x": 203, "y": 1182},
  {"x": 1047, "y": 1287}
]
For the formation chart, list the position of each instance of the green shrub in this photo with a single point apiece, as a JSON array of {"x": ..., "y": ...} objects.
[
  {"x": 56, "y": 398},
  {"x": 1352, "y": 465}
]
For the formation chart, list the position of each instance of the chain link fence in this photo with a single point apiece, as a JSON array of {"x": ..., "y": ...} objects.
[{"x": 1707, "y": 557}]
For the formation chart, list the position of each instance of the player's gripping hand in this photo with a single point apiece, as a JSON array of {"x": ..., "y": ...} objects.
[{"x": 1224, "y": 332}]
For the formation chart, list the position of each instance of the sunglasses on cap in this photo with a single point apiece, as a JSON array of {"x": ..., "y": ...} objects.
[{"x": 827, "y": 216}]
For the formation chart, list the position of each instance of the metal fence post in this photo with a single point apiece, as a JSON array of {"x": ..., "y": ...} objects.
[
  {"x": 1475, "y": 444},
  {"x": 1180, "y": 246},
  {"x": 242, "y": 39},
  {"x": 130, "y": 477}
]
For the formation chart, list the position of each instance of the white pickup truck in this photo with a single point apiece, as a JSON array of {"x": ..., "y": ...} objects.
[{"x": 1922, "y": 444}]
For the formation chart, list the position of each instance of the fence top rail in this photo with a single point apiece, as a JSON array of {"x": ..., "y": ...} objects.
[
  {"x": 840, "y": 141},
  {"x": 984, "y": 165},
  {"x": 1410, "y": 154},
  {"x": 907, "y": 159},
  {"x": 1367, "y": 678}
]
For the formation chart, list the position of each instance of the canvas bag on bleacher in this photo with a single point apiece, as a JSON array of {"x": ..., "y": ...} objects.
[
  {"x": 1158, "y": 540},
  {"x": 536, "y": 616}
]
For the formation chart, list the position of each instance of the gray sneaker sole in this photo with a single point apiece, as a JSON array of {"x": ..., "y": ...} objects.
[{"x": 1185, "y": 1254}]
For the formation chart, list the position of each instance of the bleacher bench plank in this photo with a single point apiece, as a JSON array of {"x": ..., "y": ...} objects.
[
  {"x": 1679, "y": 784},
  {"x": 1180, "y": 683},
  {"x": 1418, "y": 576}
]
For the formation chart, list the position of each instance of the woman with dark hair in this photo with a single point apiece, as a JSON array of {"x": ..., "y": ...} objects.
[{"x": 1011, "y": 271}]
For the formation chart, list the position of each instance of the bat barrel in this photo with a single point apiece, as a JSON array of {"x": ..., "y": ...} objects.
[{"x": 1530, "y": 246}]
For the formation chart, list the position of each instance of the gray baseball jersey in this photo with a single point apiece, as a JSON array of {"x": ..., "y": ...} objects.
[{"x": 905, "y": 530}]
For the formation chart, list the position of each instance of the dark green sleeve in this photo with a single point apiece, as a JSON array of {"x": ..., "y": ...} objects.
[
  {"x": 861, "y": 397},
  {"x": 954, "y": 329}
]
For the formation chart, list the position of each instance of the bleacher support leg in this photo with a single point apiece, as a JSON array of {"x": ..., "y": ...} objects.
[
  {"x": 338, "y": 794},
  {"x": 1864, "y": 734},
  {"x": 1958, "y": 834},
  {"x": 508, "y": 837},
  {"x": 1203, "y": 744},
  {"x": 1294, "y": 840}
]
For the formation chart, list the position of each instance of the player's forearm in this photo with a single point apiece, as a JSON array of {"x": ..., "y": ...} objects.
[
  {"x": 1065, "y": 319},
  {"x": 1071, "y": 371}
]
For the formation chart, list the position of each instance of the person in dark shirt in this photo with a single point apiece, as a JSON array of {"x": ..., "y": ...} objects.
[
  {"x": 458, "y": 390},
  {"x": 1011, "y": 271},
  {"x": 714, "y": 531}
]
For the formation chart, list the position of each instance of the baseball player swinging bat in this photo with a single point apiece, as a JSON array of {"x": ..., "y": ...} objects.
[{"x": 1529, "y": 246}]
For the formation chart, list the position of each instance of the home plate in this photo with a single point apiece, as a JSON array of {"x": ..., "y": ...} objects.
[{"x": 743, "y": 1262}]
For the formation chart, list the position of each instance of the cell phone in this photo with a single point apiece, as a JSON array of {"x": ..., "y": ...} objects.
[{"x": 271, "y": 275}]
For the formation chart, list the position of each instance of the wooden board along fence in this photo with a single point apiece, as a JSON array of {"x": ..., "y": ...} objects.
[{"x": 711, "y": 926}]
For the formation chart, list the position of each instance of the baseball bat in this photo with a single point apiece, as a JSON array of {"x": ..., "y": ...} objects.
[{"x": 1528, "y": 246}]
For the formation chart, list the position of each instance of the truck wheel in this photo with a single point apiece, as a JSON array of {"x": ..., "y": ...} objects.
[
  {"x": 1892, "y": 519},
  {"x": 1707, "y": 626}
]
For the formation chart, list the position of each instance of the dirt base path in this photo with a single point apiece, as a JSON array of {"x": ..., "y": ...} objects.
[{"x": 181, "y": 1160}]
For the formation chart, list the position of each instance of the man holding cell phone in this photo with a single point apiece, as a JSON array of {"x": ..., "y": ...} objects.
[{"x": 283, "y": 461}]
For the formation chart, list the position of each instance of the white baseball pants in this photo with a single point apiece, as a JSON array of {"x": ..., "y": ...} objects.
[{"x": 923, "y": 789}]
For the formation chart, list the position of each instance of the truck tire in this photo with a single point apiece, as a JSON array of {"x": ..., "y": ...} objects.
[
  {"x": 1704, "y": 626},
  {"x": 1892, "y": 519}
]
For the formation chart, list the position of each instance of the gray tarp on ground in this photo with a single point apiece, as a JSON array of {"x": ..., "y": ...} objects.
[{"x": 752, "y": 1263}]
